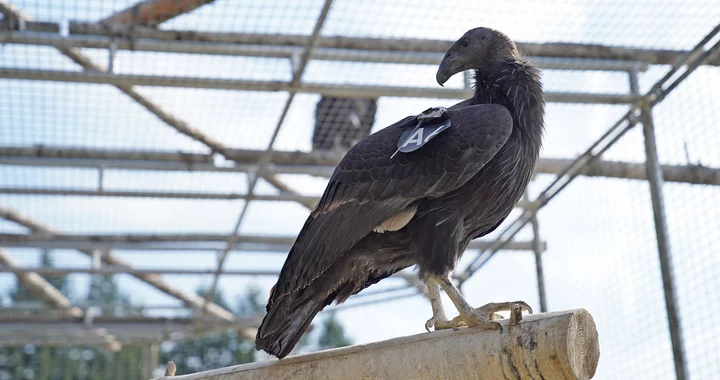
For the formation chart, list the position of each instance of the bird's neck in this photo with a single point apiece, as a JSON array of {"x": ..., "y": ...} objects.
[{"x": 516, "y": 86}]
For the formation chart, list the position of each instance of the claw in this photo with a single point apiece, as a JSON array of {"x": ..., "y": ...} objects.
[
  {"x": 430, "y": 323},
  {"x": 443, "y": 324},
  {"x": 485, "y": 316}
]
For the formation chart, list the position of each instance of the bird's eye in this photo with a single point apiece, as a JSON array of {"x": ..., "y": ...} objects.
[
  {"x": 483, "y": 38},
  {"x": 466, "y": 43}
]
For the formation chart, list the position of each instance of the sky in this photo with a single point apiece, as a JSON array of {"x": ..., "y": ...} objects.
[{"x": 601, "y": 242}]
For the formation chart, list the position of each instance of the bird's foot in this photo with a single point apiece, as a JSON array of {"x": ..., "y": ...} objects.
[
  {"x": 484, "y": 316},
  {"x": 443, "y": 324}
]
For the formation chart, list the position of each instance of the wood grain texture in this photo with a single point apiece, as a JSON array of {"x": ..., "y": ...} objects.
[{"x": 557, "y": 345}]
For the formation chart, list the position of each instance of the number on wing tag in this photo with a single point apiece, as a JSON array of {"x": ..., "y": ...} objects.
[{"x": 414, "y": 139}]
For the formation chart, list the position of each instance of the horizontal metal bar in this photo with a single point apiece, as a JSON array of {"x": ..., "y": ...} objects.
[
  {"x": 316, "y": 163},
  {"x": 368, "y": 302},
  {"x": 694, "y": 174},
  {"x": 657, "y": 93},
  {"x": 274, "y": 51},
  {"x": 314, "y": 170},
  {"x": 23, "y": 308},
  {"x": 44, "y": 330},
  {"x": 272, "y": 86},
  {"x": 141, "y": 160},
  {"x": 159, "y": 194},
  {"x": 173, "y": 241},
  {"x": 106, "y": 341},
  {"x": 551, "y": 50},
  {"x": 122, "y": 270},
  {"x": 291, "y": 197},
  {"x": 107, "y": 320},
  {"x": 562, "y": 50},
  {"x": 41, "y": 151},
  {"x": 142, "y": 238}
]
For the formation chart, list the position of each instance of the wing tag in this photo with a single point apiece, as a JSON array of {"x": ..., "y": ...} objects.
[{"x": 414, "y": 139}]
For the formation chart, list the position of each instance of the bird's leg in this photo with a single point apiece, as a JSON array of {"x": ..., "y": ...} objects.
[
  {"x": 493, "y": 307},
  {"x": 438, "y": 320},
  {"x": 482, "y": 316}
]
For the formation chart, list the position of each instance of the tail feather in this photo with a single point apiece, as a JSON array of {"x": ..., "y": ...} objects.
[{"x": 286, "y": 322}]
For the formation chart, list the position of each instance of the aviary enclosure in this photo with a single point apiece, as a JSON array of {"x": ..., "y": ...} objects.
[{"x": 176, "y": 145}]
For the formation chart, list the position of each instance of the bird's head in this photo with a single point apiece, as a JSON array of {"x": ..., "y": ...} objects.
[{"x": 475, "y": 50}]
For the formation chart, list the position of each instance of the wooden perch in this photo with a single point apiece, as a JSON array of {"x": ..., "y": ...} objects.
[
  {"x": 154, "y": 12},
  {"x": 155, "y": 280},
  {"x": 38, "y": 285},
  {"x": 558, "y": 345}
]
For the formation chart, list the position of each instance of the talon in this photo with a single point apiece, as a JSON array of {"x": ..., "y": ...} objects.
[
  {"x": 485, "y": 316},
  {"x": 444, "y": 324},
  {"x": 430, "y": 323},
  {"x": 496, "y": 316}
]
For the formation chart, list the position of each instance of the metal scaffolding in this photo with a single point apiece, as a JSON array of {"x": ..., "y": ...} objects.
[{"x": 136, "y": 29}]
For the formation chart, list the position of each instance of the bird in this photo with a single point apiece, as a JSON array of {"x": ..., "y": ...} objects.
[
  {"x": 380, "y": 214},
  {"x": 341, "y": 122}
]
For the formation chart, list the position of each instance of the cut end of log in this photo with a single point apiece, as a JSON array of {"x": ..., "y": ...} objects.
[
  {"x": 583, "y": 345},
  {"x": 170, "y": 369}
]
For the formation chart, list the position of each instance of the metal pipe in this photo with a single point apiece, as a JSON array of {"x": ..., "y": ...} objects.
[
  {"x": 267, "y": 156},
  {"x": 319, "y": 164},
  {"x": 41, "y": 151},
  {"x": 275, "y": 51},
  {"x": 556, "y": 50},
  {"x": 104, "y": 321},
  {"x": 655, "y": 180},
  {"x": 172, "y": 248},
  {"x": 313, "y": 170},
  {"x": 159, "y": 194},
  {"x": 350, "y": 305},
  {"x": 288, "y": 197},
  {"x": 125, "y": 80},
  {"x": 538, "y": 252},
  {"x": 179, "y": 242},
  {"x": 691, "y": 62},
  {"x": 82, "y": 60},
  {"x": 124, "y": 270},
  {"x": 563, "y": 179},
  {"x": 151, "y": 279}
]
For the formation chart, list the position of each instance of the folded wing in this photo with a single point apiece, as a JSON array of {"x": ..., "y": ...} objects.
[{"x": 368, "y": 186}]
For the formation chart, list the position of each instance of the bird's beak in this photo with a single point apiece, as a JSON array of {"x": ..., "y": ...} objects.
[
  {"x": 443, "y": 73},
  {"x": 450, "y": 65}
]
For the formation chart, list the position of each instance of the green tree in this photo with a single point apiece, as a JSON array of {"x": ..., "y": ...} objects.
[
  {"x": 91, "y": 363},
  {"x": 232, "y": 348},
  {"x": 29, "y": 361},
  {"x": 61, "y": 282},
  {"x": 74, "y": 362},
  {"x": 332, "y": 334},
  {"x": 105, "y": 294},
  {"x": 217, "y": 350}
]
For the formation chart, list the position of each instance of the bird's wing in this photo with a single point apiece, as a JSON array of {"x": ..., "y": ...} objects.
[{"x": 368, "y": 186}]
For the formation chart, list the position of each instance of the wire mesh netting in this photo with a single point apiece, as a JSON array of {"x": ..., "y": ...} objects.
[
  {"x": 138, "y": 131},
  {"x": 688, "y": 134}
]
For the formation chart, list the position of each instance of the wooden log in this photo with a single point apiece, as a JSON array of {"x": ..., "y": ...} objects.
[
  {"x": 558, "y": 345},
  {"x": 109, "y": 259},
  {"x": 41, "y": 287},
  {"x": 154, "y": 12}
]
